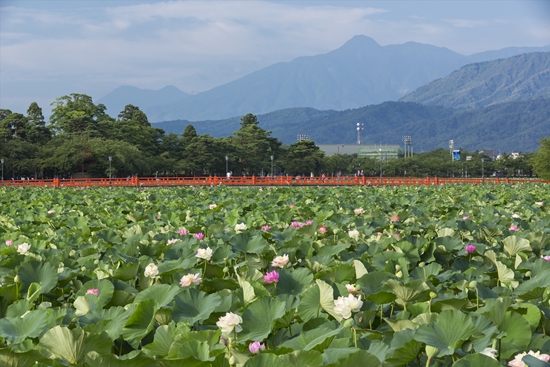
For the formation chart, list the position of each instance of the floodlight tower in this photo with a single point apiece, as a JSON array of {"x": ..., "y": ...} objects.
[
  {"x": 451, "y": 146},
  {"x": 408, "y": 145},
  {"x": 359, "y": 129}
]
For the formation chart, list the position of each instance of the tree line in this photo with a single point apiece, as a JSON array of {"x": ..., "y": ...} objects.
[{"x": 82, "y": 139}]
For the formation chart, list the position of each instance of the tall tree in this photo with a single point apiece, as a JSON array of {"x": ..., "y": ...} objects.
[
  {"x": 78, "y": 114},
  {"x": 38, "y": 133},
  {"x": 303, "y": 157},
  {"x": 541, "y": 159}
]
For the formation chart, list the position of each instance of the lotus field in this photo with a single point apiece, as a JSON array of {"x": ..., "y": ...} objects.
[{"x": 276, "y": 277}]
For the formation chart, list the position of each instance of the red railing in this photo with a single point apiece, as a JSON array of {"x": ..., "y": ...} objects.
[{"x": 261, "y": 181}]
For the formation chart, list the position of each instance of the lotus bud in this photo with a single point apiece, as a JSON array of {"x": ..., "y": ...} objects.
[
  {"x": 16, "y": 279},
  {"x": 422, "y": 264},
  {"x": 232, "y": 360},
  {"x": 349, "y": 322},
  {"x": 397, "y": 267},
  {"x": 391, "y": 226},
  {"x": 431, "y": 351},
  {"x": 467, "y": 346},
  {"x": 226, "y": 270},
  {"x": 399, "y": 274},
  {"x": 83, "y": 268},
  {"x": 96, "y": 261},
  {"x": 433, "y": 295},
  {"x": 528, "y": 274},
  {"x": 472, "y": 284}
]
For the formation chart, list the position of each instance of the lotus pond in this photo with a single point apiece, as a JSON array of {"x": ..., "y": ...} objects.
[{"x": 221, "y": 276}]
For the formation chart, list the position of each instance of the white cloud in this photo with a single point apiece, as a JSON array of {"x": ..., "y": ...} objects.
[{"x": 466, "y": 23}]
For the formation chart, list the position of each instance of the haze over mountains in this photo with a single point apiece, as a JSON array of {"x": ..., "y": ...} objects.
[{"x": 359, "y": 73}]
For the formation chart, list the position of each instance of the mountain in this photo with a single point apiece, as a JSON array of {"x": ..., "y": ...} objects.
[
  {"x": 516, "y": 78},
  {"x": 513, "y": 126},
  {"x": 505, "y": 52},
  {"x": 143, "y": 98},
  {"x": 359, "y": 73}
]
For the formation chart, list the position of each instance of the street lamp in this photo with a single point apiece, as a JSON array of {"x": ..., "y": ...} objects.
[
  {"x": 380, "y": 156},
  {"x": 272, "y": 166},
  {"x": 482, "y": 170},
  {"x": 2, "y": 169},
  {"x": 226, "y": 165},
  {"x": 110, "y": 167}
]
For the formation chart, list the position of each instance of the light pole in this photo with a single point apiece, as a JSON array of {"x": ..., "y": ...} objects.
[
  {"x": 110, "y": 167},
  {"x": 380, "y": 156},
  {"x": 2, "y": 169},
  {"x": 271, "y": 165},
  {"x": 226, "y": 165},
  {"x": 482, "y": 170}
]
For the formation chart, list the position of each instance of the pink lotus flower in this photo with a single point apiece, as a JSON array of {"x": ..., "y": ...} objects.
[
  {"x": 171, "y": 241},
  {"x": 51, "y": 211},
  {"x": 158, "y": 217},
  {"x": 182, "y": 232},
  {"x": 518, "y": 362},
  {"x": 308, "y": 223},
  {"x": 271, "y": 277},
  {"x": 465, "y": 217},
  {"x": 199, "y": 236},
  {"x": 547, "y": 258},
  {"x": 255, "y": 347},
  {"x": 394, "y": 219},
  {"x": 470, "y": 249},
  {"x": 9, "y": 242},
  {"x": 359, "y": 211},
  {"x": 266, "y": 227},
  {"x": 514, "y": 228},
  {"x": 93, "y": 291},
  {"x": 322, "y": 229},
  {"x": 398, "y": 235},
  {"x": 291, "y": 206}
]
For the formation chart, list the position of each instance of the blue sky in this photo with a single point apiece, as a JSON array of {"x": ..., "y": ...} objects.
[{"x": 54, "y": 48}]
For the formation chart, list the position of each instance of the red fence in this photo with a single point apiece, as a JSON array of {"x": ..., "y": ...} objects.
[{"x": 261, "y": 181}]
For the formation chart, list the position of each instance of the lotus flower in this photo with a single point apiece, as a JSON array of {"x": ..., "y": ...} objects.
[
  {"x": 547, "y": 257},
  {"x": 204, "y": 253},
  {"x": 266, "y": 228},
  {"x": 346, "y": 305},
  {"x": 239, "y": 227},
  {"x": 470, "y": 249},
  {"x": 517, "y": 361},
  {"x": 322, "y": 230},
  {"x": 514, "y": 228},
  {"x": 229, "y": 322},
  {"x": 183, "y": 232},
  {"x": 271, "y": 277},
  {"x": 151, "y": 271},
  {"x": 490, "y": 352},
  {"x": 51, "y": 211},
  {"x": 189, "y": 279},
  {"x": 9, "y": 242},
  {"x": 255, "y": 347},
  {"x": 353, "y": 289},
  {"x": 23, "y": 248},
  {"x": 359, "y": 211},
  {"x": 171, "y": 241},
  {"x": 93, "y": 291},
  {"x": 353, "y": 234},
  {"x": 199, "y": 236},
  {"x": 280, "y": 261},
  {"x": 213, "y": 206},
  {"x": 465, "y": 217}
]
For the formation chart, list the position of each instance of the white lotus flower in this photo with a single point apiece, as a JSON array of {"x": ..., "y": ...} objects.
[
  {"x": 239, "y": 227},
  {"x": 213, "y": 206},
  {"x": 280, "y": 261},
  {"x": 490, "y": 352},
  {"x": 204, "y": 253},
  {"x": 151, "y": 271},
  {"x": 229, "y": 322},
  {"x": 23, "y": 248},
  {"x": 359, "y": 211},
  {"x": 353, "y": 234},
  {"x": 189, "y": 279},
  {"x": 346, "y": 305}
]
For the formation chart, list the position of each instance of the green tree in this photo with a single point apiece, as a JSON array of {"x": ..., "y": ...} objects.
[
  {"x": 133, "y": 127},
  {"x": 541, "y": 159},
  {"x": 303, "y": 157},
  {"x": 38, "y": 132},
  {"x": 78, "y": 114},
  {"x": 13, "y": 126}
]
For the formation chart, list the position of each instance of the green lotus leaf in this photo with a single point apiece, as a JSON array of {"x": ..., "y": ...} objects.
[
  {"x": 303, "y": 358},
  {"x": 518, "y": 334},
  {"x": 162, "y": 293},
  {"x": 515, "y": 244},
  {"x": 447, "y": 333},
  {"x": 415, "y": 290},
  {"x": 192, "y": 305},
  {"x": 267, "y": 360},
  {"x": 337, "y": 274},
  {"x": 532, "y": 361},
  {"x": 162, "y": 342},
  {"x": 294, "y": 282},
  {"x": 475, "y": 360},
  {"x": 353, "y": 358},
  {"x": 259, "y": 317},
  {"x": 72, "y": 345},
  {"x": 105, "y": 288},
  {"x": 140, "y": 322},
  {"x": 318, "y": 338},
  {"x": 36, "y": 272},
  {"x": 16, "y": 329},
  {"x": 27, "y": 359},
  {"x": 111, "y": 360},
  {"x": 403, "y": 349},
  {"x": 326, "y": 294}
]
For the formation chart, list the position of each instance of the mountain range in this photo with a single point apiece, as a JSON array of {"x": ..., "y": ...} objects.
[{"x": 359, "y": 73}]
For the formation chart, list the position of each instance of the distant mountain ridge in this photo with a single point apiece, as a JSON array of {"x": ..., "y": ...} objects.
[
  {"x": 513, "y": 126},
  {"x": 359, "y": 73},
  {"x": 516, "y": 78},
  {"x": 116, "y": 100}
]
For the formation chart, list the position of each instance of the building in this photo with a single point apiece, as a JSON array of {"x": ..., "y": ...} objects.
[{"x": 386, "y": 151}]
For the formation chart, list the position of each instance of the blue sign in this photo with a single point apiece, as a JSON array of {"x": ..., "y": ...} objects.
[{"x": 456, "y": 155}]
